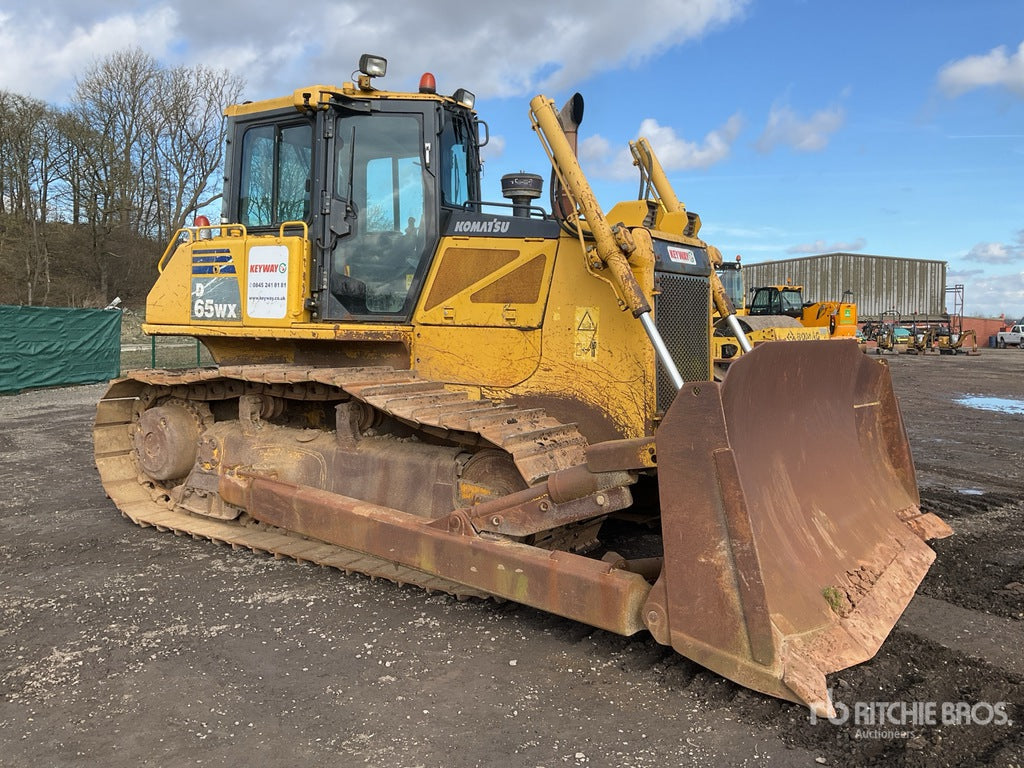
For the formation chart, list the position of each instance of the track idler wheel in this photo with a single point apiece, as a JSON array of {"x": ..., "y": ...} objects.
[
  {"x": 488, "y": 474},
  {"x": 167, "y": 440}
]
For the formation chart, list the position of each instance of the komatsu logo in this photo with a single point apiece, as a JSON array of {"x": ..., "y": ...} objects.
[
  {"x": 484, "y": 227},
  {"x": 271, "y": 268}
]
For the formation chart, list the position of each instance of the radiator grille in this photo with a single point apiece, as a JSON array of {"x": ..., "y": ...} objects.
[{"x": 682, "y": 312}]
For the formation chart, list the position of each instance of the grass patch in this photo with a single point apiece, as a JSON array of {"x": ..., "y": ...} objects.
[{"x": 835, "y": 598}]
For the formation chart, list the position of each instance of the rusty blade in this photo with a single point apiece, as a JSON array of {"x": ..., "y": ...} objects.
[{"x": 789, "y": 511}]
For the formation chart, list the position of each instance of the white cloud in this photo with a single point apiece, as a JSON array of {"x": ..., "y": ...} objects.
[
  {"x": 594, "y": 150},
  {"x": 988, "y": 293},
  {"x": 994, "y": 295},
  {"x": 997, "y": 253},
  {"x": 674, "y": 152},
  {"x": 517, "y": 49},
  {"x": 786, "y": 128},
  {"x": 494, "y": 149},
  {"x": 990, "y": 253},
  {"x": 41, "y": 56},
  {"x": 822, "y": 246},
  {"x": 510, "y": 49},
  {"x": 994, "y": 68}
]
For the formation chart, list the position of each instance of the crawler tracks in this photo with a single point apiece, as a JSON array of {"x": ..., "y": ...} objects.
[{"x": 538, "y": 444}]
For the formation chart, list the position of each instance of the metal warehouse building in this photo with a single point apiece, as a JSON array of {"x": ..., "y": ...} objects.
[{"x": 914, "y": 288}]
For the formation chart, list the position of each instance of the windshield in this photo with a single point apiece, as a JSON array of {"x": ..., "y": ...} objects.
[
  {"x": 381, "y": 182},
  {"x": 791, "y": 302},
  {"x": 777, "y": 301},
  {"x": 732, "y": 281}
]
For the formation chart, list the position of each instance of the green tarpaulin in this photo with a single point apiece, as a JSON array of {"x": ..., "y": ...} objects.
[{"x": 53, "y": 346}]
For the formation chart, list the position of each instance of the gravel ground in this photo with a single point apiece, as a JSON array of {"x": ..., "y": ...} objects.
[{"x": 123, "y": 646}]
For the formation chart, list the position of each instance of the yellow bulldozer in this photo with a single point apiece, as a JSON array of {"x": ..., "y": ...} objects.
[{"x": 497, "y": 400}]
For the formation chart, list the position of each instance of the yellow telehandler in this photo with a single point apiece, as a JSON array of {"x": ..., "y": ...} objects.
[{"x": 497, "y": 400}]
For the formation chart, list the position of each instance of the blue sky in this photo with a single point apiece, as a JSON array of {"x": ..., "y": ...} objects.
[{"x": 792, "y": 127}]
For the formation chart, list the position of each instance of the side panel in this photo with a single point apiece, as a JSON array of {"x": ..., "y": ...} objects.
[
  {"x": 489, "y": 282},
  {"x": 478, "y": 318},
  {"x": 570, "y": 350},
  {"x": 597, "y": 368},
  {"x": 476, "y": 357},
  {"x": 233, "y": 282}
]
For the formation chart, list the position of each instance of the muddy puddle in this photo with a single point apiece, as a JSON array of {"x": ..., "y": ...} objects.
[{"x": 999, "y": 404}]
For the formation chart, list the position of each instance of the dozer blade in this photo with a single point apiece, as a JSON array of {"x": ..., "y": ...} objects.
[{"x": 790, "y": 513}]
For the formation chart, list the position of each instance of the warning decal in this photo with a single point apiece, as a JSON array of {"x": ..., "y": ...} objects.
[{"x": 586, "y": 333}]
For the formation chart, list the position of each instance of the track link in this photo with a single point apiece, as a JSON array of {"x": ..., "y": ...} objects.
[{"x": 538, "y": 443}]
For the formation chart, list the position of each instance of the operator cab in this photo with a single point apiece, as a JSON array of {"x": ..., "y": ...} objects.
[
  {"x": 777, "y": 300},
  {"x": 391, "y": 169},
  {"x": 731, "y": 277}
]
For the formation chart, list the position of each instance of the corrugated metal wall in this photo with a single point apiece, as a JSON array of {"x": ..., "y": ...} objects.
[{"x": 879, "y": 283}]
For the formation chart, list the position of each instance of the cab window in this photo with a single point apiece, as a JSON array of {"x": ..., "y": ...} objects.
[
  {"x": 275, "y": 176},
  {"x": 457, "y": 143},
  {"x": 791, "y": 302}
]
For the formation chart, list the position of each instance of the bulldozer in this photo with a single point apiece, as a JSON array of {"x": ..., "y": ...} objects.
[{"x": 502, "y": 400}]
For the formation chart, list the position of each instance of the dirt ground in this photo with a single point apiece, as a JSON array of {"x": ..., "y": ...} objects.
[{"x": 125, "y": 647}]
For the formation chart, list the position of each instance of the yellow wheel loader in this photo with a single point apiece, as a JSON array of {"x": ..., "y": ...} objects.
[{"x": 495, "y": 400}]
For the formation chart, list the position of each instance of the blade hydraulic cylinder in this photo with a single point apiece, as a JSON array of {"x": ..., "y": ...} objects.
[
  {"x": 647, "y": 161},
  {"x": 613, "y": 243}
]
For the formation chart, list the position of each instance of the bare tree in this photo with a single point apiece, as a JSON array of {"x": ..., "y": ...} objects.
[
  {"x": 113, "y": 102},
  {"x": 189, "y": 141},
  {"x": 26, "y": 173},
  {"x": 116, "y": 98},
  {"x": 19, "y": 142},
  {"x": 90, "y": 194}
]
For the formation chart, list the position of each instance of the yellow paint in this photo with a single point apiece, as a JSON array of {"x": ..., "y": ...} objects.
[
  {"x": 492, "y": 357},
  {"x": 540, "y": 325},
  {"x": 472, "y": 493},
  {"x": 471, "y": 303},
  {"x": 574, "y": 343},
  {"x": 272, "y": 273}
]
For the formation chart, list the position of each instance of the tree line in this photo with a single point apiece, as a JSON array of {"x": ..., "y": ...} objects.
[{"x": 90, "y": 193}]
